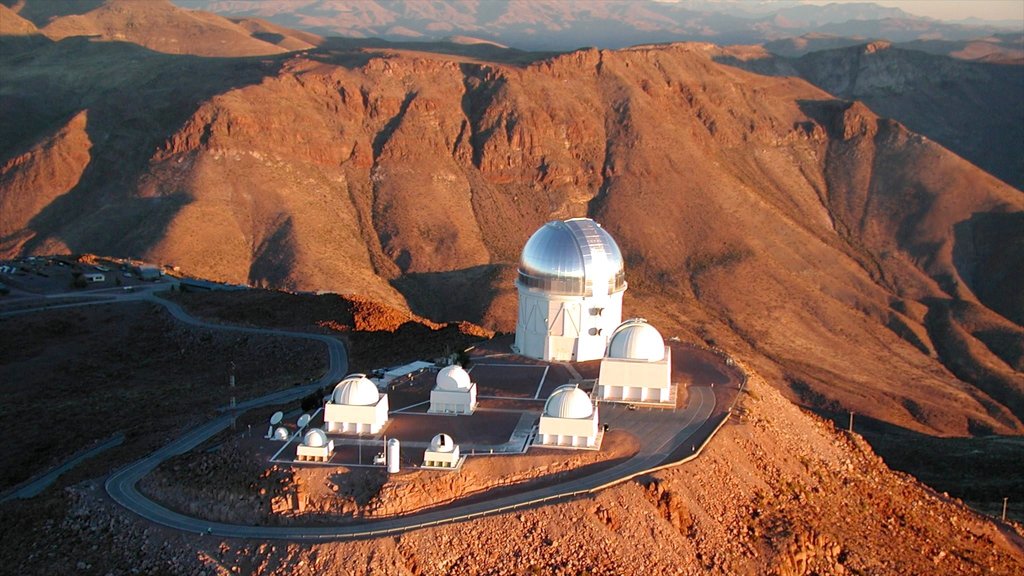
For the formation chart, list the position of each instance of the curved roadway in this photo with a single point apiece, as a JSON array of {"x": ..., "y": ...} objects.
[{"x": 663, "y": 435}]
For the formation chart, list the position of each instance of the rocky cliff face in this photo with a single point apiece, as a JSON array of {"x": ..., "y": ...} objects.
[
  {"x": 828, "y": 243},
  {"x": 971, "y": 107}
]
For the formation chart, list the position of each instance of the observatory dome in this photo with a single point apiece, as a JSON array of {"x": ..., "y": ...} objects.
[
  {"x": 568, "y": 401},
  {"x": 453, "y": 377},
  {"x": 355, "y": 390},
  {"x": 315, "y": 438},
  {"x": 442, "y": 443},
  {"x": 635, "y": 339},
  {"x": 573, "y": 257},
  {"x": 281, "y": 433}
]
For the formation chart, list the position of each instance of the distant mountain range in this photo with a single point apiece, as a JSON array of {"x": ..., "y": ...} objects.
[{"x": 570, "y": 24}]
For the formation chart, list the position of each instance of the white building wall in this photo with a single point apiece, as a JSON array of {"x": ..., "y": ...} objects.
[
  {"x": 565, "y": 328},
  {"x": 453, "y": 401},
  {"x": 443, "y": 459},
  {"x": 636, "y": 380},
  {"x": 315, "y": 453},
  {"x": 581, "y": 432},
  {"x": 345, "y": 419}
]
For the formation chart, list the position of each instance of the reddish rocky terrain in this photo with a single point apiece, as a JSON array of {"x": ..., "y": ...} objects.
[
  {"x": 853, "y": 263},
  {"x": 779, "y": 491},
  {"x": 969, "y": 105},
  {"x": 298, "y": 495},
  {"x": 830, "y": 244}
]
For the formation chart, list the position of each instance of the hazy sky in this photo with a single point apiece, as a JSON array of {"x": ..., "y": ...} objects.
[{"x": 951, "y": 9}]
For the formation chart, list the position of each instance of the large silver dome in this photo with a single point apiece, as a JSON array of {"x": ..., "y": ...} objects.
[{"x": 574, "y": 257}]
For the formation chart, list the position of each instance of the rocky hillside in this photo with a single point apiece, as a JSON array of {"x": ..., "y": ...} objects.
[
  {"x": 967, "y": 98},
  {"x": 862, "y": 265},
  {"x": 778, "y": 492},
  {"x": 158, "y": 25}
]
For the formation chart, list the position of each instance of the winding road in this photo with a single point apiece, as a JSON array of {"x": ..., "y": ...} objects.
[{"x": 666, "y": 437}]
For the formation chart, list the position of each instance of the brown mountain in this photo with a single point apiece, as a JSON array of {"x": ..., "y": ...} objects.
[
  {"x": 972, "y": 107},
  {"x": 852, "y": 262},
  {"x": 569, "y": 24},
  {"x": 158, "y": 25},
  {"x": 855, "y": 260}
]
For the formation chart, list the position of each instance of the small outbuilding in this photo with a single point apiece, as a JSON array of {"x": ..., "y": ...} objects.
[
  {"x": 453, "y": 393},
  {"x": 569, "y": 419},
  {"x": 442, "y": 453},
  {"x": 356, "y": 407},
  {"x": 315, "y": 447},
  {"x": 637, "y": 366}
]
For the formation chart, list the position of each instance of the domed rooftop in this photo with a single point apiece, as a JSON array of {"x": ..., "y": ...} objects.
[
  {"x": 568, "y": 401},
  {"x": 315, "y": 438},
  {"x": 442, "y": 443},
  {"x": 281, "y": 433},
  {"x": 453, "y": 377},
  {"x": 575, "y": 257},
  {"x": 635, "y": 339},
  {"x": 355, "y": 390}
]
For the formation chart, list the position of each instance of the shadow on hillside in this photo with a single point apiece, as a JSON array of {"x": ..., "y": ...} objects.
[
  {"x": 135, "y": 99},
  {"x": 981, "y": 470},
  {"x": 354, "y": 52},
  {"x": 450, "y": 296},
  {"x": 988, "y": 253}
]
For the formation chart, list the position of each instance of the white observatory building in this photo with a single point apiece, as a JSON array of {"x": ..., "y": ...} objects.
[
  {"x": 569, "y": 419},
  {"x": 315, "y": 447},
  {"x": 570, "y": 284},
  {"x": 637, "y": 367},
  {"x": 442, "y": 453},
  {"x": 356, "y": 407},
  {"x": 453, "y": 393}
]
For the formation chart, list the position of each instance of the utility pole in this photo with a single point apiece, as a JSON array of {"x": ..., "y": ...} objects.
[
  {"x": 1005, "y": 499},
  {"x": 851, "y": 421},
  {"x": 231, "y": 385}
]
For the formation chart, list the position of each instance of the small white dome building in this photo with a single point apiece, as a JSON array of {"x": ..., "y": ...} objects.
[
  {"x": 570, "y": 284},
  {"x": 442, "y": 453},
  {"x": 315, "y": 447},
  {"x": 356, "y": 407},
  {"x": 569, "y": 419},
  {"x": 281, "y": 434},
  {"x": 453, "y": 393},
  {"x": 637, "y": 366}
]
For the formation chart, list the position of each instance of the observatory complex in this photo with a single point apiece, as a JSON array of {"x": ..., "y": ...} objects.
[{"x": 570, "y": 284}]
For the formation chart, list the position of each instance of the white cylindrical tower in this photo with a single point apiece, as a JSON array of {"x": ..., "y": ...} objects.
[
  {"x": 392, "y": 455},
  {"x": 571, "y": 280}
]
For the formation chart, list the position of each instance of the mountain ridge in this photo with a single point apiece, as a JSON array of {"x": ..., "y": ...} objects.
[{"x": 416, "y": 174}]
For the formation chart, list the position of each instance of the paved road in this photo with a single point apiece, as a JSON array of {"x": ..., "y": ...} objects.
[
  {"x": 663, "y": 436},
  {"x": 34, "y": 487},
  {"x": 660, "y": 431}
]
